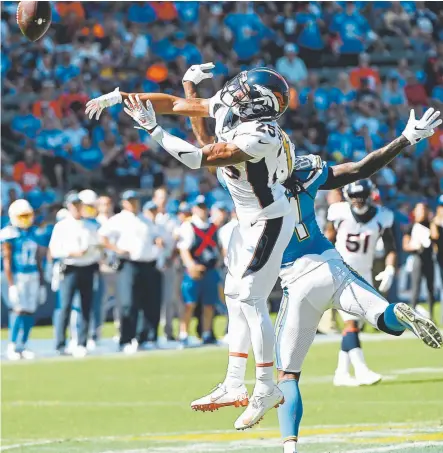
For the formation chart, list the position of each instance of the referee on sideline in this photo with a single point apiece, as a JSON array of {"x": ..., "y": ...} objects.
[
  {"x": 135, "y": 240},
  {"x": 76, "y": 244}
]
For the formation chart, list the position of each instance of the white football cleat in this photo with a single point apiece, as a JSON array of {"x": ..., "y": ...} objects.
[
  {"x": 368, "y": 377},
  {"x": 130, "y": 348},
  {"x": 222, "y": 396},
  {"x": 424, "y": 328},
  {"x": 11, "y": 352},
  {"x": 79, "y": 352},
  {"x": 27, "y": 354},
  {"x": 257, "y": 408},
  {"x": 345, "y": 380},
  {"x": 91, "y": 345}
]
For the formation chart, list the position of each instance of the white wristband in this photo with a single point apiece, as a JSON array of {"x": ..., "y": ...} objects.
[{"x": 188, "y": 154}]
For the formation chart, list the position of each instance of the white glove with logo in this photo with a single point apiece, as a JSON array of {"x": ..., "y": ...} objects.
[
  {"x": 97, "y": 105},
  {"x": 42, "y": 295},
  {"x": 196, "y": 73},
  {"x": 13, "y": 295},
  {"x": 144, "y": 116},
  {"x": 417, "y": 130},
  {"x": 385, "y": 278}
]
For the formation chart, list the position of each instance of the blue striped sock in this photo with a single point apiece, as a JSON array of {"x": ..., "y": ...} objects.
[{"x": 291, "y": 412}]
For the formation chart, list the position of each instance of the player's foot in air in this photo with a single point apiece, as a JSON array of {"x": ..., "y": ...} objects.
[
  {"x": 367, "y": 377},
  {"x": 222, "y": 396},
  {"x": 257, "y": 408},
  {"x": 424, "y": 328},
  {"x": 345, "y": 380}
]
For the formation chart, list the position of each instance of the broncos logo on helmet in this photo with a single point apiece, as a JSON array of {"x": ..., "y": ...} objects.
[{"x": 260, "y": 93}]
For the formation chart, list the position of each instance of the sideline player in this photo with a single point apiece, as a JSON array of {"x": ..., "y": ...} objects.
[
  {"x": 23, "y": 252},
  {"x": 355, "y": 227},
  {"x": 255, "y": 155}
]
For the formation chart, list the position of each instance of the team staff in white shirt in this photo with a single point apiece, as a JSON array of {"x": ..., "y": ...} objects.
[
  {"x": 76, "y": 244},
  {"x": 135, "y": 240}
]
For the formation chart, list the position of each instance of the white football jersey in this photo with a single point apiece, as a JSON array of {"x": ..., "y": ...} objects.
[
  {"x": 255, "y": 185},
  {"x": 356, "y": 242}
]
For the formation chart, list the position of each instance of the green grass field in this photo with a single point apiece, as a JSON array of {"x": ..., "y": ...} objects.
[{"x": 119, "y": 404}]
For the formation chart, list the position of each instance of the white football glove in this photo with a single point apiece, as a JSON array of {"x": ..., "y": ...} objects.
[
  {"x": 97, "y": 105},
  {"x": 196, "y": 73},
  {"x": 417, "y": 130},
  {"x": 13, "y": 295},
  {"x": 42, "y": 295},
  {"x": 144, "y": 116},
  {"x": 385, "y": 278}
]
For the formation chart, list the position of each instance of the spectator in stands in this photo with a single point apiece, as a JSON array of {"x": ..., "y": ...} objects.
[
  {"x": 291, "y": 66},
  {"x": 27, "y": 172},
  {"x": 309, "y": 33},
  {"x": 340, "y": 143},
  {"x": 417, "y": 241},
  {"x": 150, "y": 172},
  {"x": 314, "y": 95},
  {"x": 393, "y": 93},
  {"x": 364, "y": 71},
  {"x": 42, "y": 196},
  {"x": 66, "y": 70},
  {"x": 186, "y": 50},
  {"x": 343, "y": 93},
  {"x": 24, "y": 124},
  {"x": 415, "y": 92},
  {"x": 87, "y": 155},
  {"x": 47, "y": 101},
  {"x": 354, "y": 32},
  {"x": 397, "y": 22},
  {"x": 11, "y": 190},
  {"x": 73, "y": 130},
  {"x": 424, "y": 20}
]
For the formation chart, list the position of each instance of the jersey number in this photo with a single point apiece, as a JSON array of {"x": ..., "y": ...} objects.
[
  {"x": 300, "y": 228},
  {"x": 355, "y": 242},
  {"x": 28, "y": 255},
  {"x": 263, "y": 128}
]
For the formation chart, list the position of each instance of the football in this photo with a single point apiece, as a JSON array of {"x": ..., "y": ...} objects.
[{"x": 34, "y": 18}]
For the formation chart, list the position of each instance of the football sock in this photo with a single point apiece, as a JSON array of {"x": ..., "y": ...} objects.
[
  {"x": 235, "y": 375},
  {"x": 15, "y": 324},
  {"x": 350, "y": 341},
  {"x": 265, "y": 378},
  {"x": 28, "y": 323},
  {"x": 343, "y": 363},
  {"x": 391, "y": 320},
  {"x": 358, "y": 360},
  {"x": 290, "y": 414}
]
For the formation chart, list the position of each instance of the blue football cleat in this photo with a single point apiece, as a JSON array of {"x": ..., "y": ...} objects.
[{"x": 424, "y": 328}]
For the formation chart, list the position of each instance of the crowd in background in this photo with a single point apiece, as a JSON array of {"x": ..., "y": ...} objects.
[{"x": 354, "y": 69}]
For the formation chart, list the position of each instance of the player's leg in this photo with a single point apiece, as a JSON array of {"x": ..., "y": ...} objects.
[
  {"x": 86, "y": 289},
  {"x": 232, "y": 392},
  {"x": 361, "y": 299},
  {"x": 429, "y": 273},
  {"x": 256, "y": 283},
  {"x": 29, "y": 306},
  {"x": 15, "y": 326},
  {"x": 304, "y": 302},
  {"x": 351, "y": 353},
  {"x": 66, "y": 293},
  {"x": 190, "y": 293}
]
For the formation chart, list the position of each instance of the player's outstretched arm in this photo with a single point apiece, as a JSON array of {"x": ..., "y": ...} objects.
[
  {"x": 193, "y": 76},
  {"x": 415, "y": 131},
  {"x": 164, "y": 104},
  {"x": 215, "y": 154}
]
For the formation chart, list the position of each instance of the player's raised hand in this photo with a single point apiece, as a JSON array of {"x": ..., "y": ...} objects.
[
  {"x": 97, "y": 105},
  {"x": 143, "y": 116},
  {"x": 417, "y": 130},
  {"x": 196, "y": 73}
]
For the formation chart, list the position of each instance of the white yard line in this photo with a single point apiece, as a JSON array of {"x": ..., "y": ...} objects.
[{"x": 390, "y": 448}]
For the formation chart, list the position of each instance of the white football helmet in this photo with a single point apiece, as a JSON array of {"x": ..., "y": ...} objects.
[
  {"x": 89, "y": 200},
  {"x": 21, "y": 214}
]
